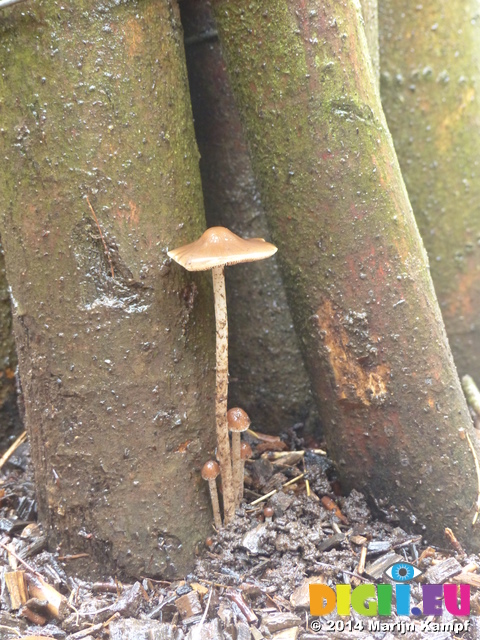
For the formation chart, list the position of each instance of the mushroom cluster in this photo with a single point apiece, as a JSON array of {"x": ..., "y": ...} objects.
[{"x": 215, "y": 249}]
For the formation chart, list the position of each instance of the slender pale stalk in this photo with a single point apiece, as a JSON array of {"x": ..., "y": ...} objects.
[
  {"x": 223, "y": 444},
  {"x": 240, "y": 488},
  {"x": 237, "y": 468},
  {"x": 217, "y": 518},
  {"x": 245, "y": 453}
]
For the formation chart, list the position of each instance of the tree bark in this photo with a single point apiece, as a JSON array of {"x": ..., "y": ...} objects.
[
  {"x": 115, "y": 344},
  {"x": 267, "y": 374},
  {"x": 353, "y": 262},
  {"x": 430, "y": 76},
  {"x": 370, "y": 22}
]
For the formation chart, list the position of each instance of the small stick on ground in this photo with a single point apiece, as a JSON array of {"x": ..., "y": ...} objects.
[
  {"x": 361, "y": 562},
  {"x": 477, "y": 469},
  {"x": 272, "y": 493},
  {"x": 454, "y": 542},
  {"x": 25, "y": 564},
  {"x": 75, "y": 556},
  {"x": 307, "y": 483},
  {"x": 20, "y": 440},
  {"x": 105, "y": 247}
]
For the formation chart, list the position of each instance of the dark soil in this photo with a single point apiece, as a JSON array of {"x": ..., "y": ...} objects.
[{"x": 251, "y": 578}]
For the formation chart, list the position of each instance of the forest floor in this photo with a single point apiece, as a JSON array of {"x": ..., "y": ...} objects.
[{"x": 251, "y": 581}]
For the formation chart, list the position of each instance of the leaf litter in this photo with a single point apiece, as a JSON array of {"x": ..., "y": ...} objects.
[{"x": 251, "y": 578}]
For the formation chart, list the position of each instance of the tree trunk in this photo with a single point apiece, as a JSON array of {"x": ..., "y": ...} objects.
[
  {"x": 430, "y": 76},
  {"x": 353, "y": 262},
  {"x": 115, "y": 343},
  {"x": 370, "y": 21},
  {"x": 10, "y": 422},
  {"x": 267, "y": 373}
]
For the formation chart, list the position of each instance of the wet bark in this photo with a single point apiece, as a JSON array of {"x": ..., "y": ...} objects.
[
  {"x": 115, "y": 343},
  {"x": 10, "y": 422},
  {"x": 352, "y": 259},
  {"x": 430, "y": 77},
  {"x": 267, "y": 374}
]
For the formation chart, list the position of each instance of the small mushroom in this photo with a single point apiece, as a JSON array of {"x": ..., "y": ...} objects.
[
  {"x": 210, "y": 471},
  {"x": 245, "y": 454},
  {"x": 238, "y": 421},
  {"x": 215, "y": 249},
  {"x": 268, "y": 514}
]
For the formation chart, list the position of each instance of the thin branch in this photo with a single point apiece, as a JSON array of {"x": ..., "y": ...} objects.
[
  {"x": 20, "y": 440},
  {"x": 107, "y": 252},
  {"x": 272, "y": 493},
  {"x": 17, "y": 557}
]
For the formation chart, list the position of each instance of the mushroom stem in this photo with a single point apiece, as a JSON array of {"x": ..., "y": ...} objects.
[
  {"x": 237, "y": 466},
  {"x": 245, "y": 453},
  {"x": 241, "y": 486},
  {"x": 217, "y": 518},
  {"x": 223, "y": 444}
]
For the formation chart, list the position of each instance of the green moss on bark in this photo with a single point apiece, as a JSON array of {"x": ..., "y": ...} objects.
[
  {"x": 353, "y": 262},
  {"x": 430, "y": 76},
  {"x": 115, "y": 344}
]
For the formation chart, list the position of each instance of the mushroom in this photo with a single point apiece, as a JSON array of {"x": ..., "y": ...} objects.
[
  {"x": 238, "y": 421},
  {"x": 210, "y": 471},
  {"x": 268, "y": 513},
  {"x": 245, "y": 454},
  {"x": 215, "y": 249}
]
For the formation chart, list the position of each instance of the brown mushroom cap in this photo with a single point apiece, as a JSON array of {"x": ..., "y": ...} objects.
[
  {"x": 245, "y": 451},
  {"x": 210, "y": 470},
  {"x": 238, "y": 420},
  {"x": 268, "y": 512},
  {"x": 219, "y": 246}
]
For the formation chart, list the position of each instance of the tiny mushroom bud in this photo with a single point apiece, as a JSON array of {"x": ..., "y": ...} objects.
[
  {"x": 245, "y": 454},
  {"x": 268, "y": 513},
  {"x": 210, "y": 471},
  {"x": 215, "y": 249},
  {"x": 238, "y": 421}
]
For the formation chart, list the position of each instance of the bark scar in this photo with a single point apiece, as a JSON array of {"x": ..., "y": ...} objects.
[{"x": 352, "y": 352}]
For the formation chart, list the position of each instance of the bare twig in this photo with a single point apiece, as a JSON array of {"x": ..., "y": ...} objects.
[
  {"x": 25, "y": 564},
  {"x": 477, "y": 469},
  {"x": 307, "y": 483},
  {"x": 75, "y": 556},
  {"x": 361, "y": 563},
  {"x": 272, "y": 493},
  {"x": 20, "y": 440},
  {"x": 107, "y": 252}
]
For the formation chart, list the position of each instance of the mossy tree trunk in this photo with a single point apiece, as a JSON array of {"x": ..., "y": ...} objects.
[
  {"x": 352, "y": 259},
  {"x": 430, "y": 91},
  {"x": 267, "y": 373},
  {"x": 114, "y": 342}
]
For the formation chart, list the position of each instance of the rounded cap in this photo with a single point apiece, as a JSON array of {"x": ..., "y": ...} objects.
[
  {"x": 245, "y": 451},
  {"x": 219, "y": 246},
  {"x": 268, "y": 512},
  {"x": 210, "y": 470},
  {"x": 238, "y": 419}
]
